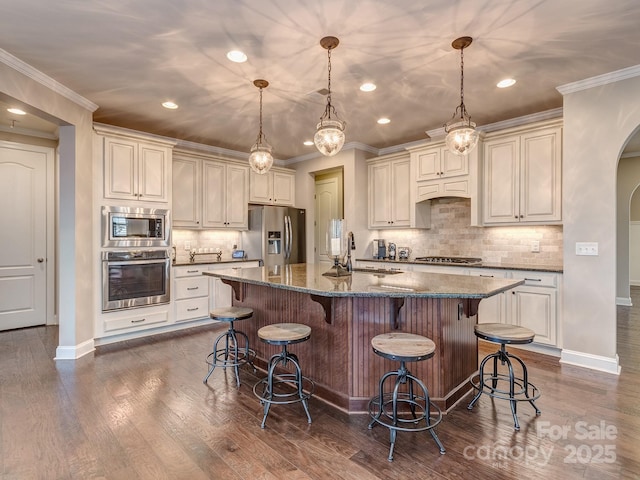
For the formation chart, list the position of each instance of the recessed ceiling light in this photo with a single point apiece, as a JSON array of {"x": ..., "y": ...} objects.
[
  {"x": 308, "y": 143},
  {"x": 17, "y": 111},
  {"x": 383, "y": 121},
  {"x": 237, "y": 56},
  {"x": 507, "y": 82},
  {"x": 368, "y": 87},
  {"x": 170, "y": 105}
]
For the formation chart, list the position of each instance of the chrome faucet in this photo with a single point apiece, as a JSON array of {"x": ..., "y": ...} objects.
[{"x": 351, "y": 245}]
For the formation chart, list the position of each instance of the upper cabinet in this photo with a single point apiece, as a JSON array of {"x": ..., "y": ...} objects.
[
  {"x": 135, "y": 167},
  {"x": 389, "y": 193},
  {"x": 276, "y": 187},
  {"x": 209, "y": 193},
  {"x": 522, "y": 176}
]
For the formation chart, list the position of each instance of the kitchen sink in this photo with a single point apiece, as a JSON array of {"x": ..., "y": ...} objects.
[{"x": 377, "y": 271}]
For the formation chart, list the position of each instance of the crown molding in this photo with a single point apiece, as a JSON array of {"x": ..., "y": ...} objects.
[
  {"x": 36, "y": 75},
  {"x": 599, "y": 80},
  {"x": 29, "y": 132}
]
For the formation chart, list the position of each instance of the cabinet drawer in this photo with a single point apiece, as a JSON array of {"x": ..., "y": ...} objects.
[
  {"x": 136, "y": 321},
  {"x": 191, "y": 287},
  {"x": 487, "y": 272},
  {"x": 192, "y": 308},
  {"x": 536, "y": 279},
  {"x": 190, "y": 271}
]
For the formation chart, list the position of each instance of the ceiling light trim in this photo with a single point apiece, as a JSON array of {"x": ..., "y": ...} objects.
[{"x": 24, "y": 68}]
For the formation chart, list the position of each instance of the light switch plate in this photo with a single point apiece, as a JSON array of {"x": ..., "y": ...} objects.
[
  {"x": 586, "y": 248},
  {"x": 535, "y": 246}
]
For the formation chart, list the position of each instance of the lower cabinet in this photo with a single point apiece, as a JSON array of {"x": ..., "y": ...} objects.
[
  {"x": 191, "y": 292},
  {"x": 492, "y": 309},
  {"x": 142, "y": 319}
]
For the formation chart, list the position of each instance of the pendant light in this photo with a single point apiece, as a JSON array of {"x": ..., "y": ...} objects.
[
  {"x": 329, "y": 137},
  {"x": 260, "y": 158},
  {"x": 462, "y": 136}
]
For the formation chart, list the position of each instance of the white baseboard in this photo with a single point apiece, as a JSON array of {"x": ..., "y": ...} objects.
[
  {"x": 624, "y": 301},
  {"x": 594, "y": 362},
  {"x": 74, "y": 352}
]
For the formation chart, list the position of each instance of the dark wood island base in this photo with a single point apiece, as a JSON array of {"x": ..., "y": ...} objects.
[{"x": 339, "y": 358}]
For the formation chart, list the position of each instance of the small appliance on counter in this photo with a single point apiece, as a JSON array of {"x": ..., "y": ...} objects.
[
  {"x": 404, "y": 253},
  {"x": 392, "y": 251},
  {"x": 379, "y": 248}
]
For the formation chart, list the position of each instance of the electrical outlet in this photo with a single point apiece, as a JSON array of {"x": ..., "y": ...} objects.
[
  {"x": 187, "y": 246},
  {"x": 535, "y": 246},
  {"x": 586, "y": 248}
]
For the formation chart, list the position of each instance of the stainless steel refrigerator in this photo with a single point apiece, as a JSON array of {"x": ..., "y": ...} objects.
[{"x": 276, "y": 235}]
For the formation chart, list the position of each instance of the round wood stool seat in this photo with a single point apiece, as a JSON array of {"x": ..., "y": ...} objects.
[
  {"x": 284, "y": 333},
  {"x": 506, "y": 384},
  {"x": 407, "y": 346},
  {"x": 405, "y": 404},
  {"x": 227, "y": 350},
  {"x": 503, "y": 333},
  {"x": 284, "y": 386},
  {"x": 230, "y": 314}
]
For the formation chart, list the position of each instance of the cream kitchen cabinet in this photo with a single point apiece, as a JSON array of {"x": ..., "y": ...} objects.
[
  {"x": 492, "y": 309},
  {"x": 135, "y": 168},
  {"x": 522, "y": 176},
  {"x": 209, "y": 193},
  {"x": 436, "y": 162},
  {"x": 191, "y": 292},
  {"x": 275, "y": 187},
  {"x": 221, "y": 294},
  {"x": 534, "y": 304},
  {"x": 389, "y": 192}
]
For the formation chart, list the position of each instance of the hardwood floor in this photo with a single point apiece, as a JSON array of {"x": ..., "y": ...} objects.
[{"x": 139, "y": 410}]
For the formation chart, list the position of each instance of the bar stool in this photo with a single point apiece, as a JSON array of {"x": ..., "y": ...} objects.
[
  {"x": 284, "y": 388},
  {"x": 407, "y": 411},
  {"x": 232, "y": 354},
  {"x": 526, "y": 391}
]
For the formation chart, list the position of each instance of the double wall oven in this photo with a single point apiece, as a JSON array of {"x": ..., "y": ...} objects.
[{"x": 135, "y": 259}]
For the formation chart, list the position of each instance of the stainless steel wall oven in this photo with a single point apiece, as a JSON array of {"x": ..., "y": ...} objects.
[{"x": 135, "y": 278}]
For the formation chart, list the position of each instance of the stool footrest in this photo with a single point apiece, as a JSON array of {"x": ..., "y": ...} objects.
[
  {"x": 528, "y": 394},
  {"x": 218, "y": 359},
  {"x": 285, "y": 389},
  {"x": 412, "y": 414}
]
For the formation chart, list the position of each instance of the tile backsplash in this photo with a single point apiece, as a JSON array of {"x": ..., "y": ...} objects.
[
  {"x": 184, "y": 240},
  {"x": 452, "y": 235}
]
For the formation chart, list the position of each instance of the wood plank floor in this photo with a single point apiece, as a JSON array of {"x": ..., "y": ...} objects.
[{"x": 139, "y": 410}]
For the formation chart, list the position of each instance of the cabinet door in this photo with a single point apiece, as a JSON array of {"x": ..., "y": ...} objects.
[
  {"x": 428, "y": 164},
  {"x": 400, "y": 198},
  {"x": 237, "y": 196},
  {"x": 120, "y": 169},
  {"x": 501, "y": 181},
  {"x": 185, "y": 204},
  {"x": 535, "y": 308},
  {"x": 153, "y": 173},
  {"x": 541, "y": 185},
  {"x": 492, "y": 309},
  {"x": 283, "y": 188},
  {"x": 379, "y": 195},
  {"x": 261, "y": 187},
  {"x": 213, "y": 194},
  {"x": 453, "y": 165}
]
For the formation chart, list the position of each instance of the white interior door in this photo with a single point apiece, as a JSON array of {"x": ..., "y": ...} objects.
[
  {"x": 23, "y": 217},
  {"x": 328, "y": 205}
]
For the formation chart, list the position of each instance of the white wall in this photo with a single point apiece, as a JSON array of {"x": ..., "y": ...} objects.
[
  {"x": 75, "y": 197},
  {"x": 597, "y": 124}
]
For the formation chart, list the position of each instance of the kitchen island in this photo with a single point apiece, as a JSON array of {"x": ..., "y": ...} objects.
[{"x": 345, "y": 313}]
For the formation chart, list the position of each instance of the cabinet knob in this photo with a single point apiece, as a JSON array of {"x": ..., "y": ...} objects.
[
  {"x": 516, "y": 216},
  {"x": 521, "y": 216},
  {"x": 40, "y": 260}
]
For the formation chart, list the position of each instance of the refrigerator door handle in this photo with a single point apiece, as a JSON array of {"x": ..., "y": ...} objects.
[{"x": 287, "y": 237}]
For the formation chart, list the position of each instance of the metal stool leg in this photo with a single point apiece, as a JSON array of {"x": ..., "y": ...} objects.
[{"x": 525, "y": 381}]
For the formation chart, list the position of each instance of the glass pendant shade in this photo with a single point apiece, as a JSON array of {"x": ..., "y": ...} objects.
[
  {"x": 261, "y": 158},
  {"x": 329, "y": 137},
  {"x": 462, "y": 137}
]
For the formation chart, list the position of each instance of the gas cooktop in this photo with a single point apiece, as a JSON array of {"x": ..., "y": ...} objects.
[{"x": 450, "y": 260}]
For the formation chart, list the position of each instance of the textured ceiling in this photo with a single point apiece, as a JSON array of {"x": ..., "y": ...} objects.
[{"x": 129, "y": 56}]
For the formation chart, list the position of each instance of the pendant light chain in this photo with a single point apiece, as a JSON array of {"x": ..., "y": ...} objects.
[
  {"x": 462, "y": 108},
  {"x": 260, "y": 135},
  {"x": 329, "y": 106}
]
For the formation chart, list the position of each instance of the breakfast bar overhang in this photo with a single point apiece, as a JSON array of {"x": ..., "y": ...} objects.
[{"x": 346, "y": 312}]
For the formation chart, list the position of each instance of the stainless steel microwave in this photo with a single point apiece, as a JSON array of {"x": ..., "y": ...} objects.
[{"x": 135, "y": 227}]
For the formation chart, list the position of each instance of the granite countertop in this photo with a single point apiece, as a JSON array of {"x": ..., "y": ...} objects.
[
  {"x": 308, "y": 278},
  {"x": 499, "y": 266},
  {"x": 211, "y": 259}
]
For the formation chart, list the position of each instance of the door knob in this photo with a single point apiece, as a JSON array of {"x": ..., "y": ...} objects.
[{"x": 40, "y": 260}]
